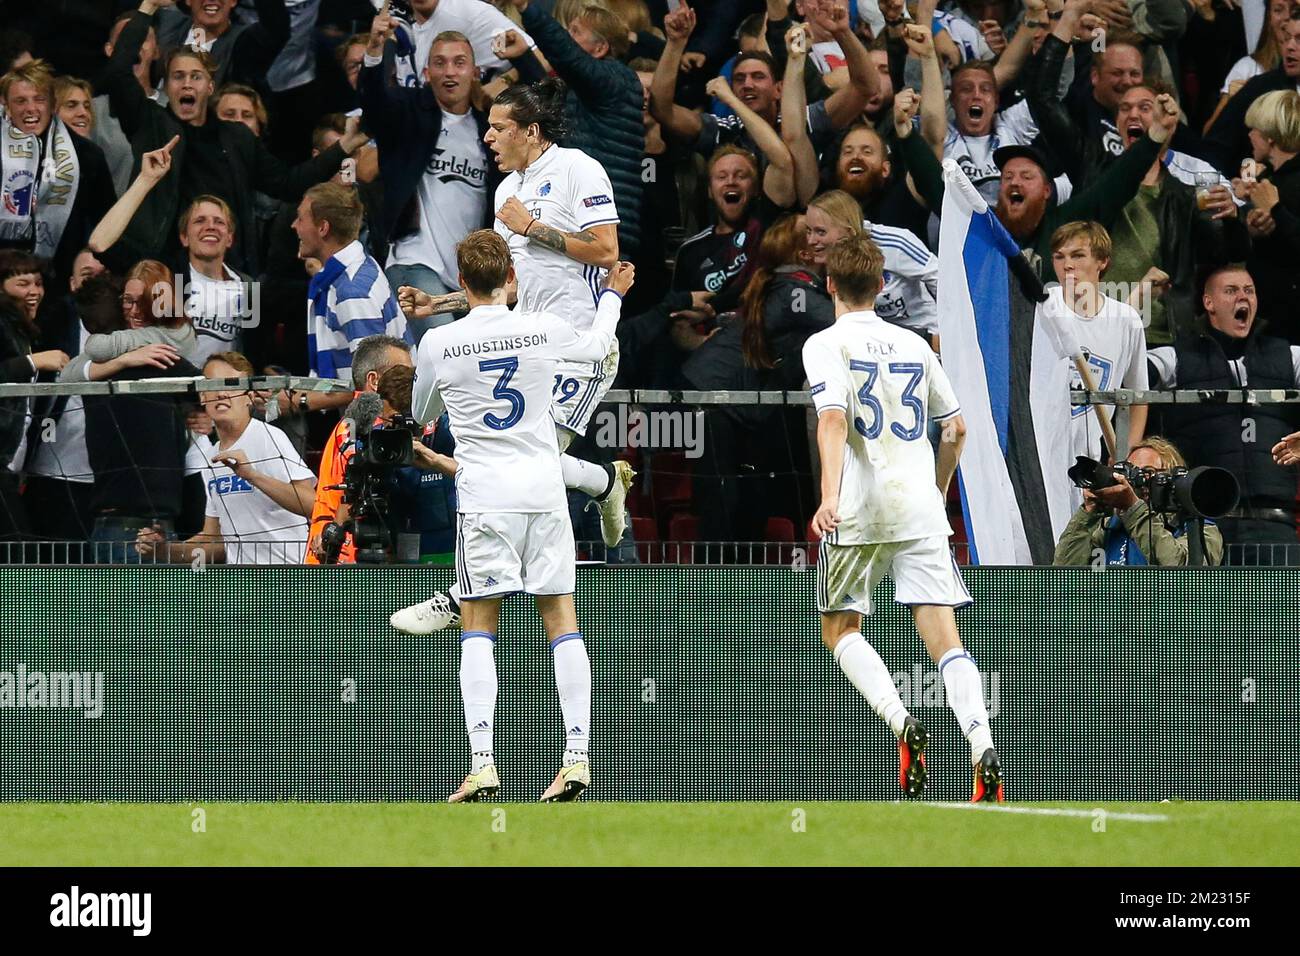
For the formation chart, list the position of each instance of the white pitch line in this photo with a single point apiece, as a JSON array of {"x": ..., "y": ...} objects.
[{"x": 1049, "y": 811}]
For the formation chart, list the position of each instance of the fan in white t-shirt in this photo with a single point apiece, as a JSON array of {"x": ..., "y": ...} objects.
[
  {"x": 1110, "y": 333},
  {"x": 259, "y": 490}
]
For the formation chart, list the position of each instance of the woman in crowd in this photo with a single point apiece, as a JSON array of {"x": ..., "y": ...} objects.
[
  {"x": 60, "y": 482},
  {"x": 24, "y": 288},
  {"x": 1274, "y": 220},
  {"x": 157, "y": 331},
  {"x": 761, "y": 348},
  {"x": 259, "y": 491},
  {"x": 1266, "y": 56}
]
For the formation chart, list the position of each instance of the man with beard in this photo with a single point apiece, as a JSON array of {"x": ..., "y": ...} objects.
[
  {"x": 56, "y": 184},
  {"x": 754, "y": 81},
  {"x": 1231, "y": 351},
  {"x": 717, "y": 259},
  {"x": 213, "y": 156},
  {"x": 1026, "y": 204},
  {"x": 864, "y": 170}
]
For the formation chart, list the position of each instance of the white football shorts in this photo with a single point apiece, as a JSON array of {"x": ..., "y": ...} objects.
[
  {"x": 923, "y": 570},
  {"x": 579, "y": 388},
  {"x": 499, "y": 553}
]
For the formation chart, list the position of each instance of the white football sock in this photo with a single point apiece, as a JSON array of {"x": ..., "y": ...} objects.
[
  {"x": 573, "y": 681},
  {"x": 478, "y": 691},
  {"x": 585, "y": 476},
  {"x": 868, "y": 673},
  {"x": 961, "y": 682}
]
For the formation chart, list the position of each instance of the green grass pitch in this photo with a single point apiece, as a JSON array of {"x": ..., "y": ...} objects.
[{"x": 645, "y": 834}]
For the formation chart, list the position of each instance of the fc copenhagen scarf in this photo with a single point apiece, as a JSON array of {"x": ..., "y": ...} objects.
[{"x": 38, "y": 185}]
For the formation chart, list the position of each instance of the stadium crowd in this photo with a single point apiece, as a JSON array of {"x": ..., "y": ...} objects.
[{"x": 237, "y": 188}]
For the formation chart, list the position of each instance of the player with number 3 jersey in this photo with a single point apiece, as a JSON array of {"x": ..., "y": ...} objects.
[
  {"x": 876, "y": 387},
  {"x": 493, "y": 371}
]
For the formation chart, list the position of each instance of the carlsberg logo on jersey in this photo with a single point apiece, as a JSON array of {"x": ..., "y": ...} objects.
[{"x": 448, "y": 168}]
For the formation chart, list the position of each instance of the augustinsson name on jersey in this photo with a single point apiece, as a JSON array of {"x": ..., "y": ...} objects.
[{"x": 494, "y": 345}]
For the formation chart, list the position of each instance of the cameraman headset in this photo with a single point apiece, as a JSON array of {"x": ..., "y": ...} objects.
[{"x": 1115, "y": 521}]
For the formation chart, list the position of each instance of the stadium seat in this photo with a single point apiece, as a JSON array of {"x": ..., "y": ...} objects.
[
  {"x": 780, "y": 530},
  {"x": 646, "y": 536},
  {"x": 669, "y": 478},
  {"x": 813, "y": 540},
  {"x": 682, "y": 528}
]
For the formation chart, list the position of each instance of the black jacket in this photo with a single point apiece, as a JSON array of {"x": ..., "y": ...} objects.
[
  {"x": 15, "y": 367},
  {"x": 1275, "y": 260},
  {"x": 719, "y": 363},
  {"x": 1228, "y": 141},
  {"x": 602, "y": 113},
  {"x": 245, "y": 162},
  {"x": 406, "y": 123},
  {"x": 1190, "y": 241},
  {"x": 1212, "y": 434}
]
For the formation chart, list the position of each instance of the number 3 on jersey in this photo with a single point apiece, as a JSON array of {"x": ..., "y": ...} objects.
[
  {"x": 502, "y": 390},
  {"x": 910, "y": 400}
]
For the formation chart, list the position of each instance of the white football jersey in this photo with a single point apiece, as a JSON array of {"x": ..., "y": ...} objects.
[
  {"x": 911, "y": 279},
  {"x": 494, "y": 371},
  {"x": 1114, "y": 344},
  {"x": 567, "y": 190},
  {"x": 889, "y": 384}
]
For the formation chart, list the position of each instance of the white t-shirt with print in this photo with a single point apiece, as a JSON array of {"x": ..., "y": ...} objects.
[{"x": 254, "y": 528}]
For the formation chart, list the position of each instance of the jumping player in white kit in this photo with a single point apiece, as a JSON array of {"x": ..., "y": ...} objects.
[
  {"x": 876, "y": 387},
  {"x": 494, "y": 371},
  {"x": 556, "y": 211}
]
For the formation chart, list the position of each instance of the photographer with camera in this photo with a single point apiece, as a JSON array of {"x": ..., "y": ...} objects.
[
  {"x": 1123, "y": 523},
  {"x": 422, "y": 496},
  {"x": 374, "y": 356}
]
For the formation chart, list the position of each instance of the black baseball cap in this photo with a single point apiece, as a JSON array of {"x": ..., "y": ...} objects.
[{"x": 1005, "y": 154}]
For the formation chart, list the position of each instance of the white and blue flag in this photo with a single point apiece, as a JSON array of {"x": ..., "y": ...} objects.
[{"x": 1009, "y": 363}]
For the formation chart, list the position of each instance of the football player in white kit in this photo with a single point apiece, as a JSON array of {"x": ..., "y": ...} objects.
[
  {"x": 493, "y": 371},
  {"x": 876, "y": 386},
  {"x": 556, "y": 211}
]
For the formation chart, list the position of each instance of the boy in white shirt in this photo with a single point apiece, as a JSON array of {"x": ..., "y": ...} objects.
[{"x": 1110, "y": 333}]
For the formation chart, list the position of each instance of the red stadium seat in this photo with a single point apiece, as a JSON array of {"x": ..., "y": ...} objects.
[
  {"x": 669, "y": 476},
  {"x": 646, "y": 536},
  {"x": 780, "y": 530},
  {"x": 681, "y": 528}
]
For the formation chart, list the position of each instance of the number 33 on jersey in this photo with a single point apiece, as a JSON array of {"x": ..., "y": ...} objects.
[{"x": 889, "y": 385}]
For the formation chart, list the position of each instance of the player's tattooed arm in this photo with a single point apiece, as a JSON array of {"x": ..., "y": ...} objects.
[
  {"x": 418, "y": 304},
  {"x": 595, "y": 245},
  {"x": 552, "y": 238}
]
